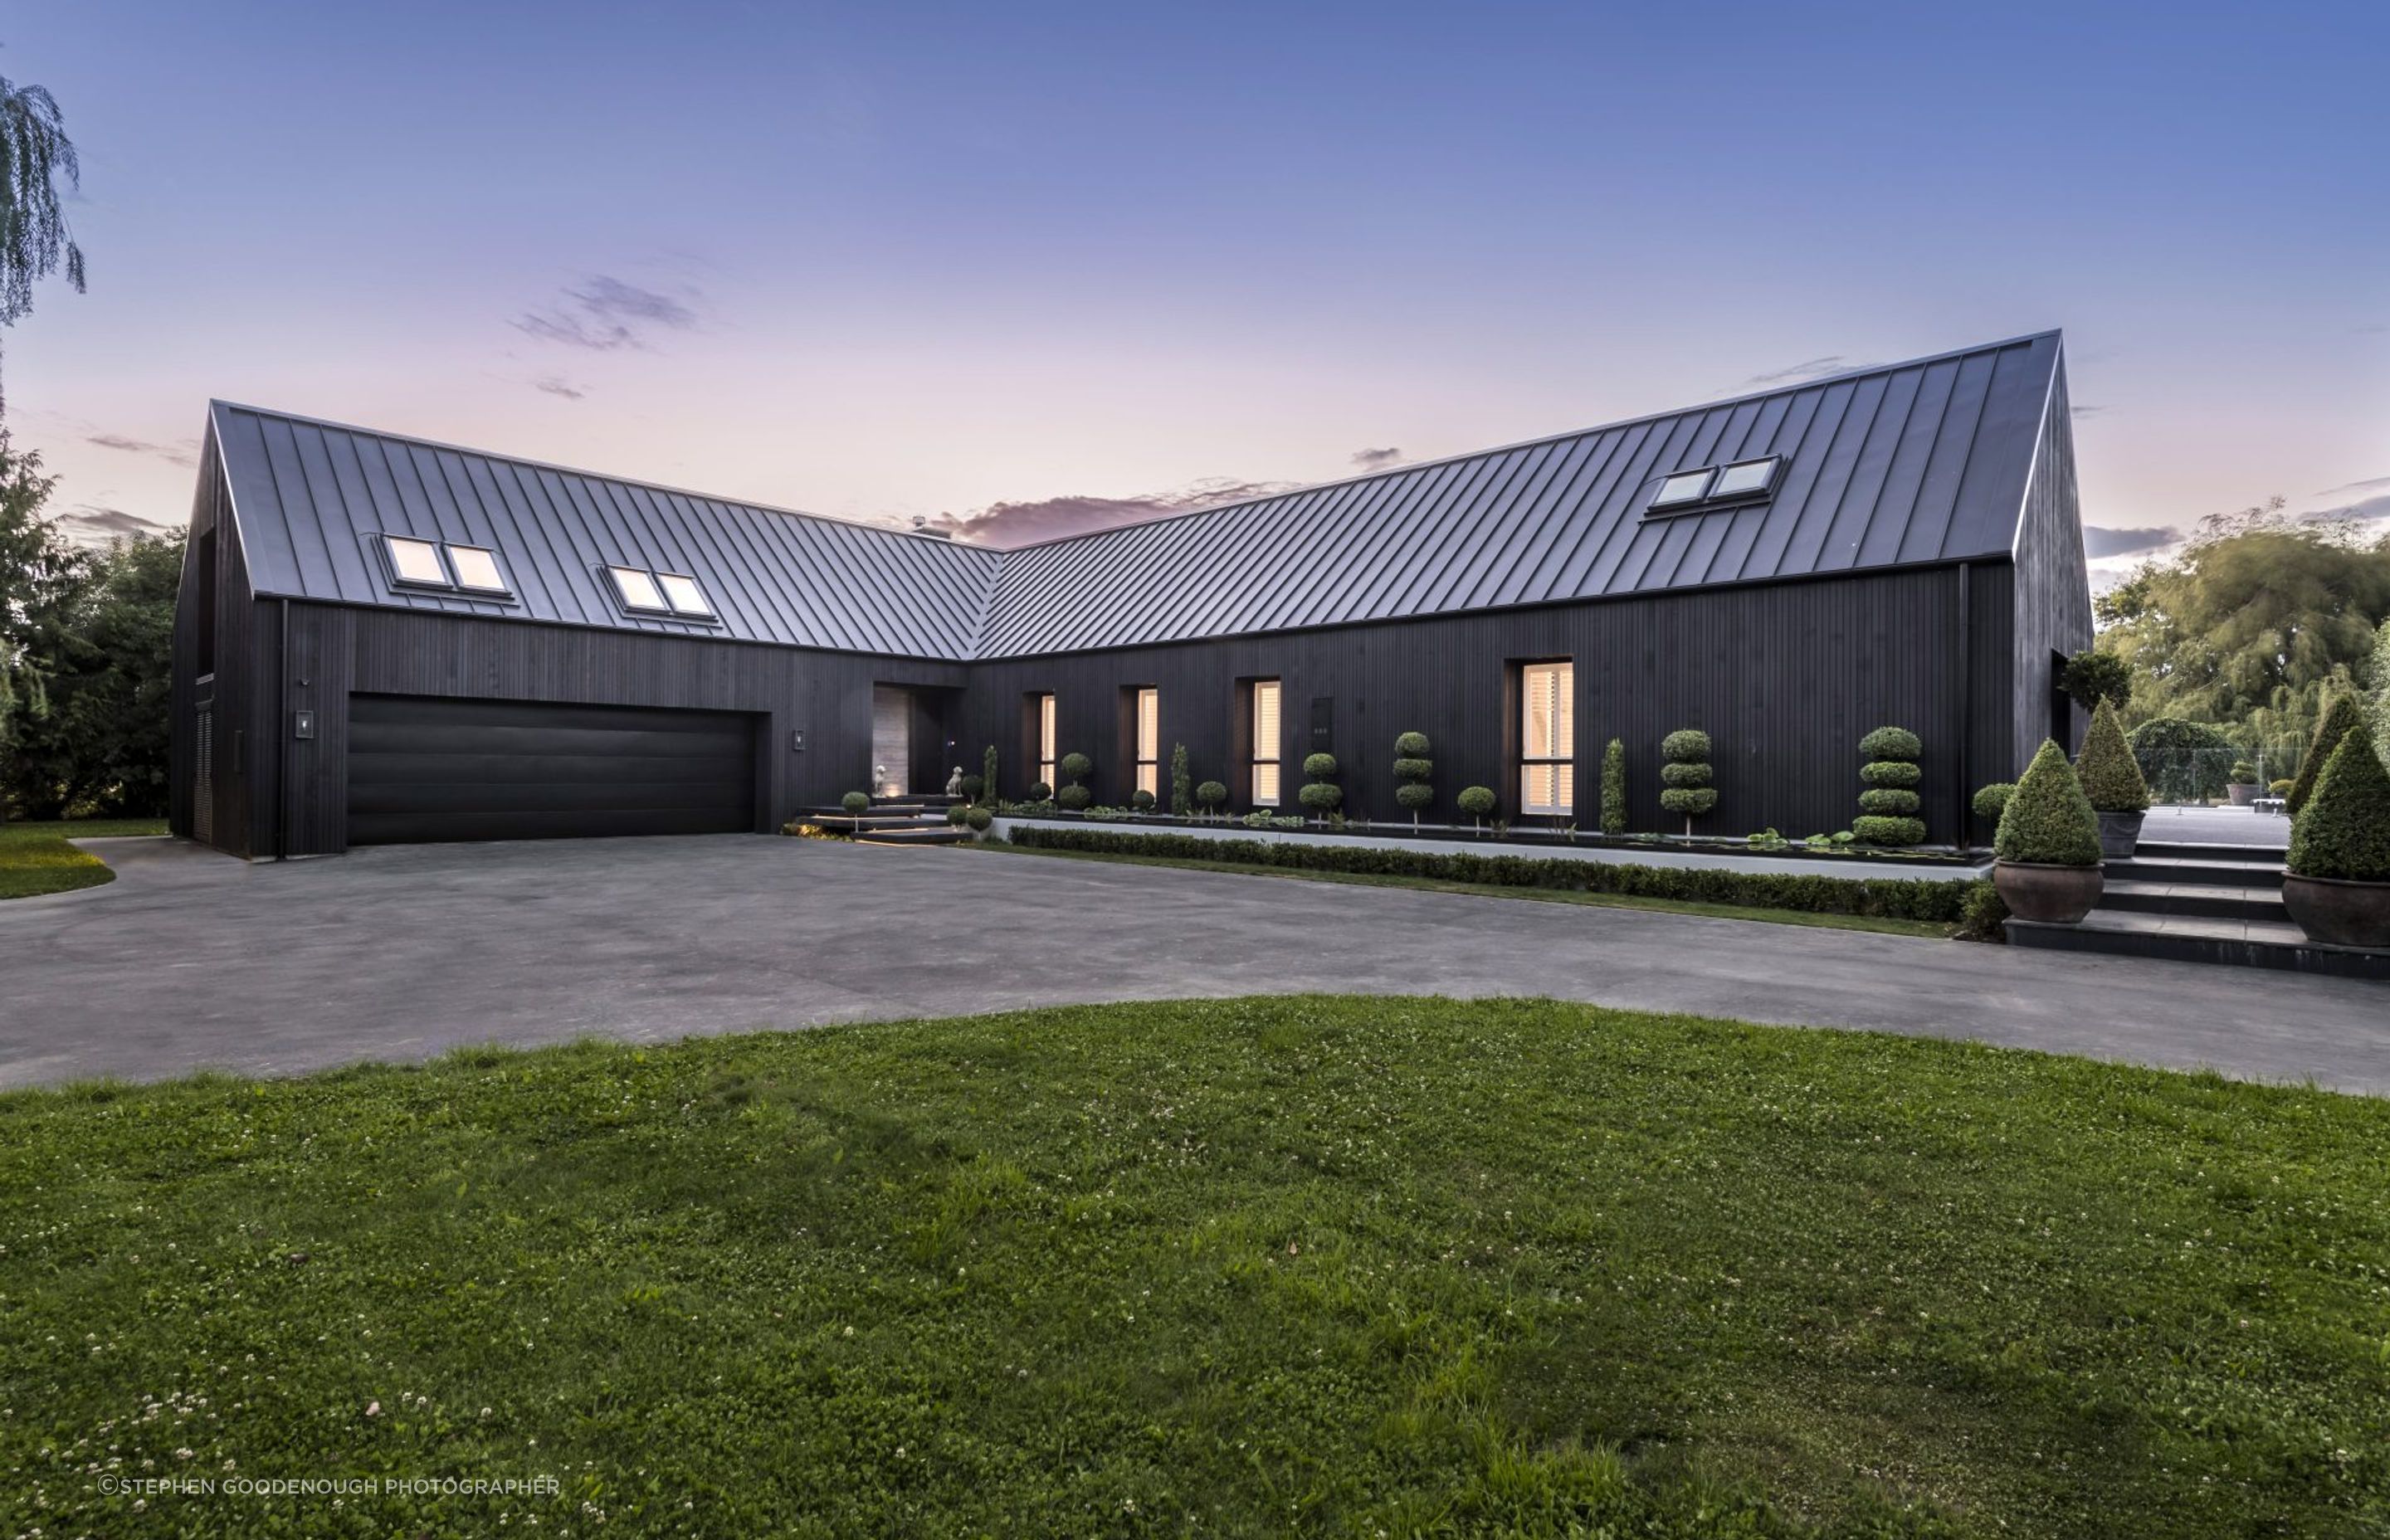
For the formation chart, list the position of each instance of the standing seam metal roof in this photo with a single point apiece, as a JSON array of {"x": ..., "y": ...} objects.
[{"x": 1916, "y": 462}]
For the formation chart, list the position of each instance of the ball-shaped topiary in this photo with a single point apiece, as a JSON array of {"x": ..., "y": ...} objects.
[
  {"x": 2344, "y": 832},
  {"x": 1211, "y": 796},
  {"x": 1040, "y": 792},
  {"x": 1890, "y": 772},
  {"x": 2111, "y": 776},
  {"x": 1890, "y": 743},
  {"x": 1075, "y": 798},
  {"x": 955, "y": 813},
  {"x": 1876, "y": 830},
  {"x": 1141, "y": 800},
  {"x": 1319, "y": 766},
  {"x": 2049, "y": 821},
  {"x": 1075, "y": 767},
  {"x": 2345, "y": 714},
  {"x": 980, "y": 819},
  {"x": 1415, "y": 795},
  {"x": 972, "y": 786},
  {"x": 1412, "y": 746},
  {"x": 1685, "y": 778},
  {"x": 1993, "y": 799},
  {"x": 855, "y": 802},
  {"x": 1477, "y": 802},
  {"x": 1321, "y": 796},
  {"x": 1888, "y": 801}
]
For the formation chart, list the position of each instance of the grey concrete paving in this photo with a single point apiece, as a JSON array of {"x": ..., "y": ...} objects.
[
  {"x": 192, "y": 960},
  {"x": 2217, "y": 826}
]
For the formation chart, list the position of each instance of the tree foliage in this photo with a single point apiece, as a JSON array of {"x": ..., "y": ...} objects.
[
  {"x": 38, "y": 172},
  {"x": 2091, "y": 676},
  {"x": 2254, "y": 626},
  {"x": 38, "y": 571},
  {"x": 2182, "y": 762}
]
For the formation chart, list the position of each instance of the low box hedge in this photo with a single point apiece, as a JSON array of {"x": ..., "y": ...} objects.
[{"x": 1890, "y": 898}]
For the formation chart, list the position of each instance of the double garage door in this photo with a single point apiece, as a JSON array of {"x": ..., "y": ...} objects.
[{"x": 424, "y": 768}]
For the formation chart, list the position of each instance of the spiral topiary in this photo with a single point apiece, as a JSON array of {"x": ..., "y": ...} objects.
[
  {"x": 1412, "y": 767},
  {"x": 1685, "y": 777}
]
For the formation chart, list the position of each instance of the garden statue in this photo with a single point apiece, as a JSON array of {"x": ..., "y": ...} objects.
[{"x": 955, "y": 782}]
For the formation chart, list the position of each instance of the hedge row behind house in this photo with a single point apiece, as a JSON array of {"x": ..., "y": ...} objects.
[{"x": 1889, "y": 898}]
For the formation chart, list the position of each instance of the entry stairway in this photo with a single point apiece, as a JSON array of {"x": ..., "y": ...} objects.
[
  {"x": 894, "y": 821},
  {"x": 2217, "y": 904}
]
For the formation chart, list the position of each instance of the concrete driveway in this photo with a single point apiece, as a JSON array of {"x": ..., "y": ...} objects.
[{"x": 193, "y": 960}]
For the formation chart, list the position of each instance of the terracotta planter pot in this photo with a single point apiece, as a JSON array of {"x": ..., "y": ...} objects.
[
  {"x": 2053, "y": 895},
  {"x": 2338, "y": 913},
  {"x": 2119, "y": 833},
  {"x": 2241, "y": 796}
]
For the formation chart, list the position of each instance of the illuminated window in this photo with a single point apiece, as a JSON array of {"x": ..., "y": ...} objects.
[
  {"x": 685, "y": 596},
  {"x": 1045, "y": 738},
  {"x": 477, "y": 569},
  {"x": 1149, "y": 742},
  {"x": 1684, "y": 488},
  {"x": 1547, "y": 748},
  {"x": 636, "y": 589},
  {"x": 416, "y": 561},
  {"x": 1266, "y": 743}
]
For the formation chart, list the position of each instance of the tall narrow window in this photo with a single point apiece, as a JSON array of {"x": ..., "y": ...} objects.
[
  {"x": 1547, "y": 754},
  {"x": 1266, "y": 743},
  {"x": 1149, "y": 742},
  {"x": 1045, "y": 738}
]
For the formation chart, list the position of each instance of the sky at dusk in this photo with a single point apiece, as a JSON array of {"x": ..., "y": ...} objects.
[{"x": 1010, "y": 265}]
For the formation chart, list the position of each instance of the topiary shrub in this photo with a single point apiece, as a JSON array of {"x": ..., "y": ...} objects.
[
  {"x": 1983, "y": 917},
  {"x": 1992, "y": 799},
  {"x": 973, "y": 787},
  {"x": 856, "y": 803},
  {"x": 980, "y": 819},
  {"x": 1141, "y": 800},
  {"x": 1182, "y": 784},
  {"x": 2241, "y": 773},
  {"x": 1613, "y": 787},
  {"x": 2344, "y": 831},
  {"x": 2091, "y": 676},
  {"x": 2280, "y": 788},
  {"x": 2049, "y": 821},
  {"x": 1684, "y": 775},
  {"x": 1321, "y": 793},
  {"x": 956, "y": 813},
  {"x": 987, "y": 775},
  {"x": 2111, "y": 776},
  {"x": 1890, "y": 802},
  {"x": 1211, "y": 796},
  {"x": 1478, "y": 802},
  {"x": 1412, "y": 768},
  {"x": 1074, "y": 769},
  {"x": 1075, "y": 798},
  {"x": 1040, "y": 792},
  {"x": 2343, "y": 716}
]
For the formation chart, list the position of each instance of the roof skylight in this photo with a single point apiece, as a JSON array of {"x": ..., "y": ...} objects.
[
  {"x": 1745, "y": 477},
  {"x": 1685, "y": 487},
  {"x": 416, "y": 561},
  {"x": 635, "y": 586},
  {"x": 686, "y": 598},
  {"x": 477, "y": 569}
]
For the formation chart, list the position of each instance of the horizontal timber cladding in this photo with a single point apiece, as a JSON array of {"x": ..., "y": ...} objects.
[
  {"x": 339, "y": 651},
  {"x": 1786, "y": 678},
  {"x": 434, "y": 768}
]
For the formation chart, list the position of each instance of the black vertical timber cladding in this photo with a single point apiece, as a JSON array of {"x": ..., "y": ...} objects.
[
  {"x": 2052, "y": 598},
  {"x": 1786, "y": 678}
]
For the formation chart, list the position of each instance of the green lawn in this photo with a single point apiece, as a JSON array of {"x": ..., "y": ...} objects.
[
  {"x": 1312, "y": 1265},
  {"x": 35, "y": 858},
  {"x": 1884, "y": 925}
]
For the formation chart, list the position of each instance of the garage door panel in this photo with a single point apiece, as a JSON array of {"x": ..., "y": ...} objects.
[{"x": 423, "y": 769}]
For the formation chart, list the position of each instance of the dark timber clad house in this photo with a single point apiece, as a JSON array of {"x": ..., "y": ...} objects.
[{"x": 385, "y": 639}]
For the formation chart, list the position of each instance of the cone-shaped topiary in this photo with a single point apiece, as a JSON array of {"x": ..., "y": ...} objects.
[
  {"x": 1613, "y": 787},
  {"x": 2345, "y": 714},
  {"x": 1477, "y": 802},
  {"x": 2111, "y": 776},
  {"x": 1890, "y": 802},
  {"x": 2344, "y": 832},
  {"x": 1685, "y": 777},
  {"x": 1412, "y": 768},
  {"x": 2049, "y": 821}
]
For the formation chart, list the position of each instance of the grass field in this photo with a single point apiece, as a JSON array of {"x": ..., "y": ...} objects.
[
  {"x": 1296, "y": 1265},
  {"x": 1882, "y": 925},
  {"x": 35, "y": 858}
]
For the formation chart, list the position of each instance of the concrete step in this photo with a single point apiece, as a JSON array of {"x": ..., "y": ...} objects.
[
  {"x": 925, "y": 834},
  {"x": 873, "y": 819},
  {"x": 2184, "y": 849},
  {"x": 2192, "y": 937},
  {"x": 2211, "y": 899},
  {"x": 2144, "y": 868}
]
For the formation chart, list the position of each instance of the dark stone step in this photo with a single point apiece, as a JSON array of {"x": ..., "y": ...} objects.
[
  {"x": 2222, "y": 874},
  {"x": 2240, "y": 943},
  {"x": 941, "y": 834},
  {"x": 2209, "y": 899},
  {"x": 2184, "y": 849}
]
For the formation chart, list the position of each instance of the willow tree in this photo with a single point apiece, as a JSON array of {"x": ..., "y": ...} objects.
[{"x": 38, "y": 172}]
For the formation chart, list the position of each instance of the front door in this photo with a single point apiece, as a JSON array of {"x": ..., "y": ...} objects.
[{"x": 892, "y": 742}]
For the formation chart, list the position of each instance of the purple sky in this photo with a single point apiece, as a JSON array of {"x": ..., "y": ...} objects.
[{"x": 892, "y": 261}]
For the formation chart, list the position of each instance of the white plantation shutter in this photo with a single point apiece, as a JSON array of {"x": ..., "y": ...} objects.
[
  {"x": 1547, "y": 769},
  {"x": 1265, "y": 742},
  {"x": 1045, "y": 739}
]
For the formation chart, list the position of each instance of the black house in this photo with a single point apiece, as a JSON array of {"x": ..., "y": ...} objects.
[{"x": 383, "y": 639}]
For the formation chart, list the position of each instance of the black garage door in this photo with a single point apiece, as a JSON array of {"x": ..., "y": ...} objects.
[{"x": 422, "y": 769}]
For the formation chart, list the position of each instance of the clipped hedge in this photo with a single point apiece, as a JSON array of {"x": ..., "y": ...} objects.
[{"x": 1888, "y": 898}]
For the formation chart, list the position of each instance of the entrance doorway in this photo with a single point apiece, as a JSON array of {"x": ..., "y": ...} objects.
[{"x": 892, "y": 742}]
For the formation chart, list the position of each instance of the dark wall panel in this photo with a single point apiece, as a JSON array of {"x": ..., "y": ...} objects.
[
  {"x": 2052, "y": 601},
  {"x": 1785, "y": 678}
]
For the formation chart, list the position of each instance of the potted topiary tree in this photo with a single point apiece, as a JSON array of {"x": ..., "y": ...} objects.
[
  {"x": 1613, "y": 788},
  {"x": 1182, "y": 784},
  {"x": 2047, "y": 849},
  {"x": 2343, "y": 716},
  {"x": 2338, "y": 884},
  {"x": 1684, "y": 775},
  {"x": 1477, "y": 803},
  {"x": 2241, "y": 783},
  {"x": 1074, "y": 769},
  {"x": 1321, "y": 793},
  {"x": 1888, "y": 806},
  {"x": 1412, "y": 768},
  {"x": 1211, "y": 797},
  {"x": 2112, "y": 778}
]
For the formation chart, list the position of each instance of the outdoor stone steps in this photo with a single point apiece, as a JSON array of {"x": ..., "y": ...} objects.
[
  {"x": 2164, "y": 868},
  {"x": 2195, "y": 938},
  {"x": 920, "y": 834},
  {"x": 2208, "y": 898}
]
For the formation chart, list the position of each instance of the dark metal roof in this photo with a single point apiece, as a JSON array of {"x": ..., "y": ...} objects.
[
  {"x": 1918, "y": 462},
  {"x": 312, "y": 496}
]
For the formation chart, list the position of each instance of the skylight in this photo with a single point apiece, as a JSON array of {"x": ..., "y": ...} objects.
[
  {"x": 477, "y": 569},
  {"x": 686, "y": 598},
  {"x": 416, "y": 561},
  {"x": 1683, "y": 487},
  {"x": 636, "y": 589},
  {"x": 1745, "y": 477}
]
